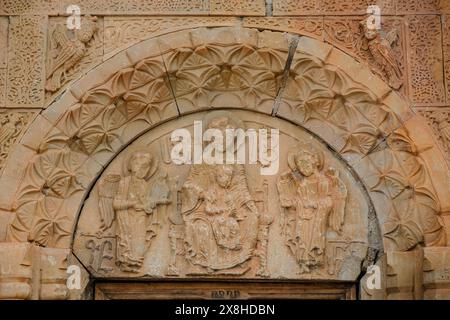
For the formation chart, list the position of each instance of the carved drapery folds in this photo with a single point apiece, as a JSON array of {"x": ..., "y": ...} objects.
[
  {"x": 224, "y": 220},
  {"x": 313, "y": 202},
  {"x": 325, "y": 91}
]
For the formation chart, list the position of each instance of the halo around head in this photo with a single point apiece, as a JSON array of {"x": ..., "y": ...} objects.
[
  {"x": 301, "y": 149},
  {"x": 153, "y": 165},
  {"x": 216, "y": 115}
]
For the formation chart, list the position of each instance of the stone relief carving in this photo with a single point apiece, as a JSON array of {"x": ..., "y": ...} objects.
[
  {"x": 26, "y": 64},
  {"x": 68, "y": 49},
  {"x": 2, "y": 87},
  {"x": 218, "y": 220},
  {"x": 418, "y": 6},
  {"x": 313, "y": 200},
  {"x": 142, "y": 7},
  {"x": 220, "y": 214},
  {"x": 221, "y": 218},
  {"x": 22, "y": 7},
  {"x": 135, "y": 202},
  {"x": 4, "y": 23},
  {"x": 401, "y": 178},
  {"x": 341, "y": 7},
  {"x": 312, "y": 26},
  {"x": 122, "y": 32},
  {"x": 315, "y": 94},
  {"x": 446, "y": 51},
  {"x": 381, "y": 50},
  {"x": 12, "y": 124},
  {"x": 438, "y": 118},
  {"x": 425, "y": 69},
  {"x": 238, "y": 7}
]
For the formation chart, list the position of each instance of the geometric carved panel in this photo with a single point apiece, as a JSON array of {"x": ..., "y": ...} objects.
[
  {"x": 121, "y": 32},
  {"x": 446, "y": 52},
  {"x": 26, "y": 69},
  {"x": 425, "y": 60},
  {"x": 329, "y": 7}
]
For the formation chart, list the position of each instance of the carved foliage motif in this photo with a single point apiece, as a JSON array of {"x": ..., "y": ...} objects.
[
  {"x": 316, "y": 95},
  {"x": 446, "y": 52},
  {"x": 3, "y": 41},
  {"x": 425, "y": 60},
  {"x": 3, "y": 58},
  {"x": 2, "y": 87},
  {"x": 141, "y": 6},
  {"x": 347, "y": 7},
  {"x": 18, "y": 7},
  {"x": 12, "y": 124},
  {"x": 369, "y": 130},
  {"x": 26, "y": 61},
  {"x": 122, "y": 32},
  {"x": 242, "y": 73},
  {"x": 253, "y": 7},
  {"x": 72, "y": 51},
  {"x": 422, "y": 6}
]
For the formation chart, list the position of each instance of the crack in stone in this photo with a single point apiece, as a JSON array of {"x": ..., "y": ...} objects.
[{"x": 292, "y": 48}]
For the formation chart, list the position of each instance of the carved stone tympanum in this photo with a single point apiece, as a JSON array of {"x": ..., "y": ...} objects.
[{"x": 149, "y": 217}]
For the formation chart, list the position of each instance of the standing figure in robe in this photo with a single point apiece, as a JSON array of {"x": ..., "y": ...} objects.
[{"x": 313, "y": 201}]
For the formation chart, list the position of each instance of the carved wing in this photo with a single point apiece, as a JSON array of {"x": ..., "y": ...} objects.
[
  {"x": 391, "y": 36},
  {"x": 286, "y": 190},
  {"x": 5, "y": 133},
  {"x": 339, "y": 197},
  {"x": 160, "y": 191},
  {"x": 107, "y": 191},
  {"x": 444, "y": 131},
  {"x": 386, "y": 52},
  {"x": 66, "y": 45}
]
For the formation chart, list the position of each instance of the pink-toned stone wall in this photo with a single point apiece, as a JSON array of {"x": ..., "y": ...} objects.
[{"x": 29, "y": 51}]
